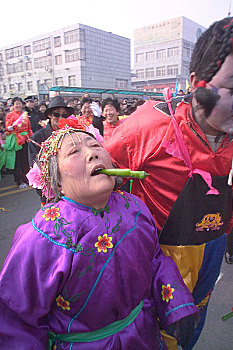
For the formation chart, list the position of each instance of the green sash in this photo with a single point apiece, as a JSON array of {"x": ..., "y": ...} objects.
[
  {"x": 111, "y": 329},
  {"x": 7, "y": 156}
]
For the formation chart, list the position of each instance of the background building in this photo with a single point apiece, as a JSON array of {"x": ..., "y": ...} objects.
[
  {"x": 78, "y": 55},
  {"x": 162, "y": 53}
]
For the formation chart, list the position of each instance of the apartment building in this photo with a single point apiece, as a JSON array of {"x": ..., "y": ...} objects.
[
  {"x": 77, "y": 55},
  {"x": 162, "y": 53}
]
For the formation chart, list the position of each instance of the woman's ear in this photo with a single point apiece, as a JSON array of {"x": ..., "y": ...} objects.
[
  {"x": 193, "y": 81},
  {"x": 60, "y": 189}
]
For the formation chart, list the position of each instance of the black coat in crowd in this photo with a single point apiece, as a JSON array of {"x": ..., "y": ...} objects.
[{"x": 39, "y": 137}]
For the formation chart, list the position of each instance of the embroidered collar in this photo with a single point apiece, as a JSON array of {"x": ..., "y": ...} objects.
[{"x": 93, "y": 210}]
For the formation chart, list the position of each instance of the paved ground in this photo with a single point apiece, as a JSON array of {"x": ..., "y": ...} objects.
[{"x": 23, "y": 204}]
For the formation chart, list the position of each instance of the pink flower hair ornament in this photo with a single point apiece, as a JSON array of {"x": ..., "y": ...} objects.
[{"x": 39, "y": 176}]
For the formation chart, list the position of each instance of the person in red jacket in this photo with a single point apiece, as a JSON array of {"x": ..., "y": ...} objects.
[
  {"x": 19, "y": 131},
  {"x": 111, "y": 111},
  {"x": 189, "y": 159}
]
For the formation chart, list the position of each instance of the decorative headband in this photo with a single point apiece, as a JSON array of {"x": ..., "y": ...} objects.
[{"x": 39, "y": 177}]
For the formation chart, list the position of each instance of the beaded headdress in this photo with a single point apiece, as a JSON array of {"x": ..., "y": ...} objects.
[{"x": 40, "y": 176}]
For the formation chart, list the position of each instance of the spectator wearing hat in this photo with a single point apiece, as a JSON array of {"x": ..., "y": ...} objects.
[
  {"x": 57, "y": 109},
  {"x": 32, "y": 113}
]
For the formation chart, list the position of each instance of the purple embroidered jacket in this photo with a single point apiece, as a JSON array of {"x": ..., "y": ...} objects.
[{"x": 74, "y": 269}]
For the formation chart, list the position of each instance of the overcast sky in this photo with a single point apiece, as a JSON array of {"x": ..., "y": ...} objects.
[{"x": 21, "y": 20}]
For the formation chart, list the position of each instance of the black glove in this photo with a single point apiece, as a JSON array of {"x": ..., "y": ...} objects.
[{"x": 183, "y": 329}]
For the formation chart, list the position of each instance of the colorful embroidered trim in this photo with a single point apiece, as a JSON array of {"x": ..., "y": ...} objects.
[{"x": 178, "y": 307}]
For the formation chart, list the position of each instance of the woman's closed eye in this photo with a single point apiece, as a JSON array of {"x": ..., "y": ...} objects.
[{"x": 73, "y": 151}]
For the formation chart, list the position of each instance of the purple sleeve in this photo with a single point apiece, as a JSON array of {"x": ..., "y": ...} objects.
[
  {"x": 34, "y": 272},
  {"x": 172, "y": 298}
]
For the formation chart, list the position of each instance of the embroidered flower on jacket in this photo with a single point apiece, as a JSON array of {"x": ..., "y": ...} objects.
[
  {"x": 64, "y": 304},
  {"x": 167, "y": 292},
  {"x": 119, "y": 191},
  {"x": 104, "y": 243},
  {"x": 51, "y": 213}
]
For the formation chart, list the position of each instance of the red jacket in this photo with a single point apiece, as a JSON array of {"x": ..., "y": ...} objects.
[
  {"x": 24, "y": 126},
  {"x": 137, "y": 145},
  {"x": 109, "y": 129}
]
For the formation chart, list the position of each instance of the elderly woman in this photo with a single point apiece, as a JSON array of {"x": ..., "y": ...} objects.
[{"x": 87, "y": 272}]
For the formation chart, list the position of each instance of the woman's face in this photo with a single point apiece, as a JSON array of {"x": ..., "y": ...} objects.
[
  {"x": 86, "y": 110},
  {"x": 79, "y": 156},
  {"x": 18, "y": 106},
  {"x": 111, "y": 115},
  {"x": 42, "y": 108}
]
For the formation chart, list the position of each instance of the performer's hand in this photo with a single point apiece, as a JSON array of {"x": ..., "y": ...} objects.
[
  {"x": 10, "y": 128},
  {"x": 183, "y": 329},
  {"x": 96, "y": 109}
]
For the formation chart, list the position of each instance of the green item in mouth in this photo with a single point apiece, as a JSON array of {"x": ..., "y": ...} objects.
[{"x": 124, "y": 173}]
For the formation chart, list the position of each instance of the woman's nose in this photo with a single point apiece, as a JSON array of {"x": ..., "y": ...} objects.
[{"x": 92, "y": 155}]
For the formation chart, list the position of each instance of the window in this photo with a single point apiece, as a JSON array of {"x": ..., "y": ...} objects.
[
  {"x": 1, "y": 71},
  {"x": 160, "y": 71},
  {"x": 74, "y": 55},
  {"x": 185, "y": 69},
  {"x": 28, "y": 65},
  {"x": 172, "y": 70},
  {"x": 72, "y": 80},
  {"x": 150, "y": 56},
  {"x": 20, "y": 86},
  {"x": 27, "y": 50},
  {"x": 73, "y": 36},
  {"x": 161, "y": 54},
  {"x": 48, "y": 82},
  {"x": 41, "y": 62},
  {"x": 185, "y": 52},
  {"x": 173, "y": 51},
  {"x": 9, "y": 53},
  {"x": 40, "y": 45},
  {"x": 58, "y": 59},
  {"x": 57, "y": 41},
  {"x": 139, "y": 57},
  {"x": 17, "y": 51},
  {"x": 149, "y": 72},
  {"x": 1, "y": 57},
  {"x": 14, "y": 52},
  {"x": 14, "y": 67},
  {"x": 4, "y": 89},
  {"x": 59, "y": 81},
  {"x": 11, "y": 86},
  {"x": 121, "y": 83},
  {"x": 29, "y": 86},
  {"x": 140, "y": 73}
]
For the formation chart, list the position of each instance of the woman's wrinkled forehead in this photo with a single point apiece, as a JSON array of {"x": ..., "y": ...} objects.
[{"x": 76, "y": 138}]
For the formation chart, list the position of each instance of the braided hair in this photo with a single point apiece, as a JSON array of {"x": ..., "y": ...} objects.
[{"x": 210, "y": 52}]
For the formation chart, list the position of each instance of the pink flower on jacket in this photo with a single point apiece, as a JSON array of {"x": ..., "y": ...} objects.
[{"x": 34, "y": 176}]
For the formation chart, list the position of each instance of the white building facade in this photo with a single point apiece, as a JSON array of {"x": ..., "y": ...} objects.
[
  {"x": 77, "y": 55},
  {"x": 162, "y": 53}
]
